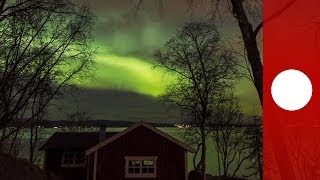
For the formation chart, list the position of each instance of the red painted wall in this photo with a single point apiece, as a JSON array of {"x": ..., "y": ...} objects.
[{"x": 141, "y": 142}]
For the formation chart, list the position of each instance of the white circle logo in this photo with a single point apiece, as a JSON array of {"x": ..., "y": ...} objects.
[{"x": 291, "y": 90}]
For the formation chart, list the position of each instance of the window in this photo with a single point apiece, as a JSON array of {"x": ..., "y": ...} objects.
[
  {"x": 73, "y": 159},
  {"x": 140, "y": 166}
]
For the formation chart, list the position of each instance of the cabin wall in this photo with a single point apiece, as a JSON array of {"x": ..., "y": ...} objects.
[
  {"x": 53, "y": 160},
  {"x": 141, "y": 142},
  {"x": 90, "y": 166}
]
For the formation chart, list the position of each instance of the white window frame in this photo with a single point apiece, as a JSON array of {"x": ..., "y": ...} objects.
[
  {"x": 141, "y": 158},
  {"x": 73, "y": 159}
]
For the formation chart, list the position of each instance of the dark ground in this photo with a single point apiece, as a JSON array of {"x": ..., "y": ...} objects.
[{"x": 20, "y": 169}]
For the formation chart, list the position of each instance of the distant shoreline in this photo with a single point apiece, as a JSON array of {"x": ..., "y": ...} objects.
[{"x": 90, "y": 123}]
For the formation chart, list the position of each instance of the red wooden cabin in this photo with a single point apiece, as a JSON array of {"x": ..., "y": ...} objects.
[
  {"x": 64, "y": 153},
  {"x": 139, "y": 152}
]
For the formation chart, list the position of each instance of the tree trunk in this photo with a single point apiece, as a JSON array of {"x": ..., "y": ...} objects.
[
  {"x": 203, "y": 152},
  {"x": 31, "y": 148},
  {"x": 250, "y": 43},
  {"x": 195, "y": 167}
]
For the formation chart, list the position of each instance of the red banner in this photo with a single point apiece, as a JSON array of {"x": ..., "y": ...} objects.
[{"x": 291, "y": 137}]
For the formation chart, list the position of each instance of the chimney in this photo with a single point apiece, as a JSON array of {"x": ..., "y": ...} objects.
[{"x": 102, "y": 133}]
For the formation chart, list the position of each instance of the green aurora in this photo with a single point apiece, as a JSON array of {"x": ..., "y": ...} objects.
[
  {"x": 139, "y": 75},
  {"x": 125, "y": 46},
  {"x": 128, "y": 73}
]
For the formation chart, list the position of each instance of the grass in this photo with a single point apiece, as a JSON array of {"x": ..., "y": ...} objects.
[{"x": 212, "y": 162}]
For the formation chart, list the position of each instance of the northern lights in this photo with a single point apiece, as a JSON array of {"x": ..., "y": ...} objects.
[
  {"x": 125, "y": 42},
  {"x": 125, "y": 45},
  {"x": 128, "y": 73}
]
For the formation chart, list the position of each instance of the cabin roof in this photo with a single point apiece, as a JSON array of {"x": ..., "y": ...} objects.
[
  {"x": 73, "y": 140},
  {"x": 136, "y": 125}
]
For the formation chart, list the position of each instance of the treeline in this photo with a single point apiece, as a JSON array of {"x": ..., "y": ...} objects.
[{"x": 87, "y": 123}]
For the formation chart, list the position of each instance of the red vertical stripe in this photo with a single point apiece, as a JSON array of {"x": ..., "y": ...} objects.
[{"x": 292, "y": 139}]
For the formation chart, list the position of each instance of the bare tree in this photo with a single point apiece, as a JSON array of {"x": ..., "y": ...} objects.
[
  {"x": 249, "y": 37},
  {"x": 228, "y": 136},
  {"x": 202, "y": 68},
  {"x": 78, "y": 119},
  {"x": 36, "y": 122},
  {"x": 44, "y": 45},
  {"x": 192, "y": 135},
  {"x": 254, "y": 141},
  {"x": 248, "y": 16},
  {"x": 14, "y": 144},
  {"x": 244, "y": 11}
]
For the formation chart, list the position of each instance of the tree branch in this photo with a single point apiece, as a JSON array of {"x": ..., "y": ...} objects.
[{"x": 273, "y": 16}]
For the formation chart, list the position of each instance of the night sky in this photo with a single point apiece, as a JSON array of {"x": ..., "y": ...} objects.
[
  {"x": 126, "y": 40},
  {"x": 123, "y": 74}
]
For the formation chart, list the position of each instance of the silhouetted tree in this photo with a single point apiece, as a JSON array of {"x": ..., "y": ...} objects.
[
  {"x": 44, "y": 45},
  {"x": 248, "y": 14},
  {"x": 78, "y": 119},
  {"x": 228, "y": 136},
  {"x": 192, "y": 136},
  {"x": 254, "y": 140},
  {"x": 202, "y": 68},
  {"x": 36, "y": 122}
]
